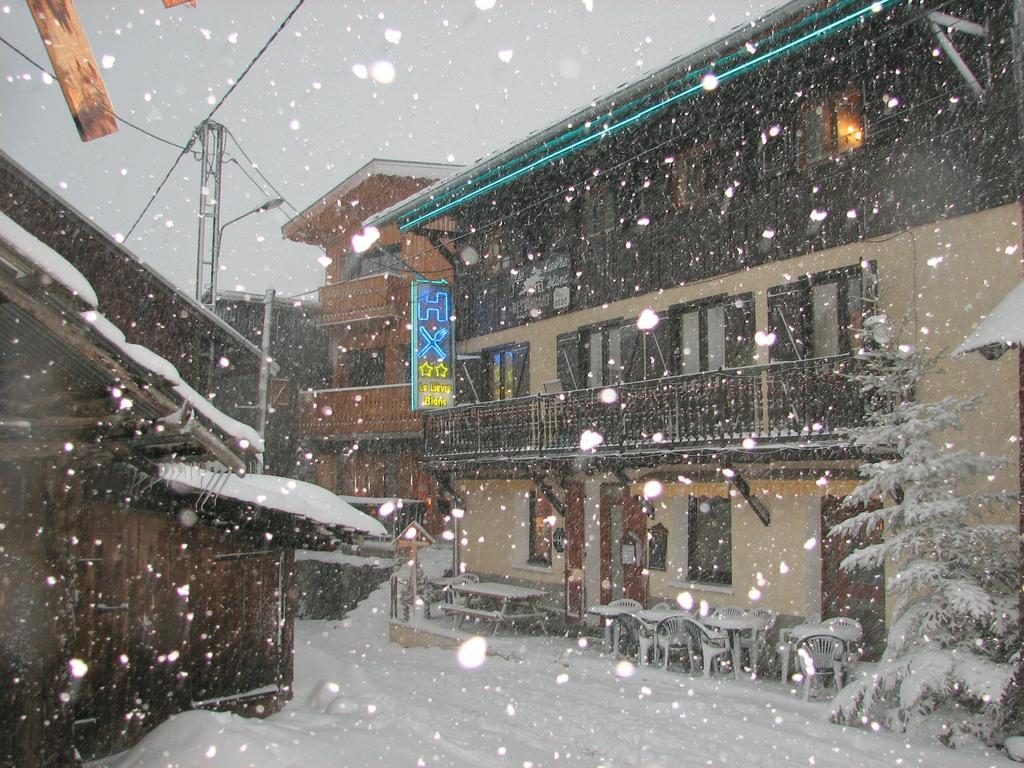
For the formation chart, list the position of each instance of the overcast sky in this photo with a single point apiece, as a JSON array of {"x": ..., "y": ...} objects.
[{"x": 466, "y": 82}]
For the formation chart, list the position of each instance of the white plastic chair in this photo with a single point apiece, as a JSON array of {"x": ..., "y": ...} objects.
[
  {"x": 755, "y": 641},
  {"x": 852, "y": 630},
  {"x": 730, "y": 610},
  {"x": 821, "y": 657},
  {"x": 662, "y": 606},
  {"x": 626, "y": 604},
  {"x": 686, "y": 632}
]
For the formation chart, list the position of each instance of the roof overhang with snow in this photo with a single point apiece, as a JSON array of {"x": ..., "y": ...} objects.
[
  {"x": 294, "y": 497},
  {"x": 1002, "y": 329},
  {"x": 784, "y": 30}
]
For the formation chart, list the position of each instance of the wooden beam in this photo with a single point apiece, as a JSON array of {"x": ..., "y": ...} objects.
[
  {"x": 75, "y": 66},
  {"x": 172, "y": 3}
]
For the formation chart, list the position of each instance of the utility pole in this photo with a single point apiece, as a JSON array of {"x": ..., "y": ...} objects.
[
  {"x": 264, "y": 383},
  {"x": 211, "y": 139}
]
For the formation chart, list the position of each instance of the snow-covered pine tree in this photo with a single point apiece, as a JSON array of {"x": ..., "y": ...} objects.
[{"x": 945, "y": 669}]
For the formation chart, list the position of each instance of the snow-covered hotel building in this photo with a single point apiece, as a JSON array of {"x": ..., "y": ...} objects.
[{"x": 669, "y": 285}]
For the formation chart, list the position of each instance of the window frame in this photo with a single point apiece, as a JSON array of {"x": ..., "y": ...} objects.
[
  {"x": 598, "y": 211},
  {"x": 830, "y": 104},
  {"x": 699, "y": 159},
  {"x": 730, "y": 346},
  {"x": 521, "y": 385}
]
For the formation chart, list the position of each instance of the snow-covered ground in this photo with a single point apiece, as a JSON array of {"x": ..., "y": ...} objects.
[{"x": 360, "y": 701}]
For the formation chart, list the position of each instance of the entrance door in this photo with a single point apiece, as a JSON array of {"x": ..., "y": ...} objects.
[
  {"x": 575, "y": 550},
  {"x": 860, "y": 593},
  {"x": 623, "y": 534}
]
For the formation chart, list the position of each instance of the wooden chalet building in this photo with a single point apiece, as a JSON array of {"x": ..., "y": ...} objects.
[
  {"x": 665, "y": 293},
  {"x": 133, "y": 584},
  {"x": 361, "y": 429}
]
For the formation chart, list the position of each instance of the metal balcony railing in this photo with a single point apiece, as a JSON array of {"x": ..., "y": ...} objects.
[{"x": 794, "y": 402}]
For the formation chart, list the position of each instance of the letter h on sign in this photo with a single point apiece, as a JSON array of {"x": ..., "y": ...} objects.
[{"x": 436, "y": 306}]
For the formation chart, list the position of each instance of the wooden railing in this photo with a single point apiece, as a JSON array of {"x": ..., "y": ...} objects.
[
  {"x": 374, "y": 296},
  {"x": 359, "y": 410},
  {"x": 805, "y": 401}
]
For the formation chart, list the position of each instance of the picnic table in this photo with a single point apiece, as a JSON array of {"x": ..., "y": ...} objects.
[{"x": 495, "y": 602}]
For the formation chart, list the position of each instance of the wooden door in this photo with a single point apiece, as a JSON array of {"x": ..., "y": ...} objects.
[
  {"x": 575, "y": 551},
  {"x": 860, "y": 593},
  {"x": 622, "y": 522}
]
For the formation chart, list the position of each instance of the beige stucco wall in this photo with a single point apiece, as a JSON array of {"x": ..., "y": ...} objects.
[
  {"x": 935, "y": 282},
  {"x": 495, "y": 532}
]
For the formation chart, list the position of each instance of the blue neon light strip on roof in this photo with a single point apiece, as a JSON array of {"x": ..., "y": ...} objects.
[
  {"x": 610, "y": 128},
  {"x": 627, "y": 106}
]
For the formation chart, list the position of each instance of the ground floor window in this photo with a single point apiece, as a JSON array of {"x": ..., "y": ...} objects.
[
  {"x": 539, "y": 532},
  {"x": 709, "y": 540}
]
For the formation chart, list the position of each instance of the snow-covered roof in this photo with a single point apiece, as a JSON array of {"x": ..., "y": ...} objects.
[
  {"x": 377, "y": 167},
  {"x": 1003, "y": 326},
  {"x": 42, "y": 256},
  {"x": 246, "y": 436},
  {"x": 294, "y": 497},
  {"x": 594, "y": 111}
]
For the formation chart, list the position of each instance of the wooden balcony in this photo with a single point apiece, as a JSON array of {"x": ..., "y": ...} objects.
[
  {"x": 359, "y": 411},
  {"x": 806, "y": 403},
  {"x": 366, "y": 298}
]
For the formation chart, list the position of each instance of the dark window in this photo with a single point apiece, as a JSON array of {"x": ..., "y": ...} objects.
[
  {"x": 380, "y": 259},
  {"x": 508, "y": 372},
  {"x": 364, "y": 367},
  {"x": 709, "y": 540},
  {"x": 647, "y": 354},
  {"x": 657, "y": 547},
  {"x": 776, "y": 148},
  {"x": 715, "y": 334},
  {"x": 831, "y": 126},
  {"x": 570, "y": 370},
  {"x": 692, "y": 177},
  {"x": 540, "y": 533},
  {"x": 820, "y": 315},
  {"x": 599, "y": 212}
]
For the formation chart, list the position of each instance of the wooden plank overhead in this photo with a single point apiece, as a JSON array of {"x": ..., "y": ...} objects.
[{"x": 75, "y": 67}]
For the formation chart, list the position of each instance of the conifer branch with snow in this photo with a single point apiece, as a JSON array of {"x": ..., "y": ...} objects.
[{"x": 945, "y": 670}]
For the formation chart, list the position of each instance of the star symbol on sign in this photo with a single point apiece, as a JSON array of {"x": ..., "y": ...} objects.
[
  {"x": 426, "y": 369},
  {"x": 441, "y": 371}
]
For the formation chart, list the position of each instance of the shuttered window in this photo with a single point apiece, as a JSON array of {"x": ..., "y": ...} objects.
[{"x": 709, "y": 540}]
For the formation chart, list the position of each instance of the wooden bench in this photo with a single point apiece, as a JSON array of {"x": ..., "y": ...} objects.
[{"x": 462, "y": 611}]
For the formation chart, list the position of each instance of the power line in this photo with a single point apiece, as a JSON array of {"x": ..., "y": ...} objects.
[
  {"x": 260, "y": 173},
  {"x": 121, "y": 119},
  {"x": 255, "y": 58},
  {"x": 220, "y": 102}
]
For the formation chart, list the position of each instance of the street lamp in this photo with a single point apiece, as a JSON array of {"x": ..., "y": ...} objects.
[{"x": 275, "y": 202}]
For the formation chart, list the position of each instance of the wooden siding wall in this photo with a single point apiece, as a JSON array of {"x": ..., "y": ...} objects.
[
  {"x": 164, "y": 615},
  {"x": 138, "y": 301},
  {"x": 931, "y": 150}
]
